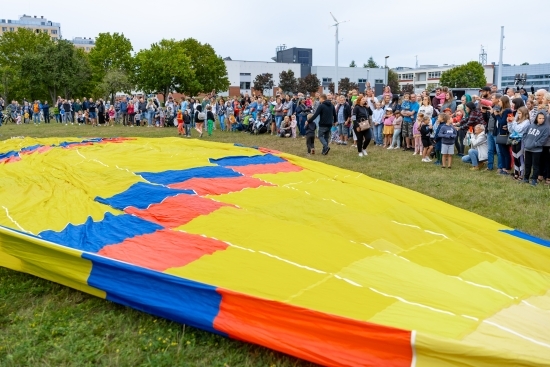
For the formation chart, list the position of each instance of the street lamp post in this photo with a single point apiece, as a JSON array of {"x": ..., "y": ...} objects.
[{"x": 386, "y": 71}]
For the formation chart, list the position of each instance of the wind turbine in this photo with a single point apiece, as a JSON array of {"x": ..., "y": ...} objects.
[{"x": 337, "y": 42}]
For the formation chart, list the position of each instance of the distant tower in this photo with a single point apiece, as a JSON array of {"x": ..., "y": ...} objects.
[
  {"x": 416, "y": 61},
  {"x": 483, "y": 56}
]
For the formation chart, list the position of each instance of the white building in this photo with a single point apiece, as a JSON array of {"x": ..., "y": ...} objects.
[
  {"x": 428, "y": 76},
  {"x": 241, "y": 74},
  {"x": 327, "y": 75},
  {"x": 35, "y": 24},
  {"x": 84, "y": 43}
]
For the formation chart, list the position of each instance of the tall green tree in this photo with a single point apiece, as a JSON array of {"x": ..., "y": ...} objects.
[
  {"x": 393, "y": 81},
  {"x": 353, "y": 64},
  {"x": 470, "y": 75},
  {"x": 263, "y": 82},
  {"x": 111, "y": 52},
  {"x": 14, "y": 46},
  {"x": 58, "y": 67},
  {"x": 287, "y": 81},
  {"x": 345, "y": 85},
  {"x": 309, "y": 84},
  {"x": 209, "y": 69},
  {"x": 163, "y": 68},
  {"x": 115, "y": 81},
  {"x": 370, "y": 63}
]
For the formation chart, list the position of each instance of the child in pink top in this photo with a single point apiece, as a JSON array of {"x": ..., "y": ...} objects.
[
  {"x": 388, "y": 127},
  {"x": 112, "y": 114},
  {"x": 293, "y": 124}
]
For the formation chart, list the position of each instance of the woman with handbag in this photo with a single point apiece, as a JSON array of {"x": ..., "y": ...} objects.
[
  {"x": 361, "y": 125},
  {"x": 503, "y": 150}
]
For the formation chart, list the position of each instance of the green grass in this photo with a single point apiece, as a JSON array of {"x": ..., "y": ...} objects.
[{"x": 45, "y": 324}]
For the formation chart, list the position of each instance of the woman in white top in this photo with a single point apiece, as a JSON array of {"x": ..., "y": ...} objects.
[
  {"x": 426, "y": 108},
  {"x": 517, "y": 128}
]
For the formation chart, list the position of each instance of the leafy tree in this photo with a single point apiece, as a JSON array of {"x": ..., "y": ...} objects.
[
  {"x": 263, "y": 82},
  {"x": 393, "y": 81},
  {"x": 309, "y": 84},
  {"x": 14, "y": 46},
  {"x": 525, "y": 63},
  {"x": 111, "y": 51},
  {"x": 370, "y": 63},
  {"x": 331, "y": 87},
  {"x": 470, "y": 75},
  {"x": 287, "y": 81},
  {"x": 209, "y": 69},
  {"x": 164, "y": 68},
  {"x": 407, "y": 88},
  {"x": 345, "y": 86},
  {"x": 115, "y": 81},
  {"x": 57, "y": 67},
  {"x": 353, "y": 64}
]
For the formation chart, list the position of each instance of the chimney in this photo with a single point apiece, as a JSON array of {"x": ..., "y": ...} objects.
[{"x": 42, "y": 17}]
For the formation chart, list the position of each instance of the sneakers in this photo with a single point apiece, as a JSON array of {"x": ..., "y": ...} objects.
[
  {"x": 325, "y": 150},
  {"x": 415, "y": 153},
  {"x": 476, "y": 168},
  {"x": 426, "y": 159},
  {"x": 365, "y": 153},
  {"x": 534, "y": 183},
  {"x": 390, "y": 147},
  {"x": 360, "y": 155}
]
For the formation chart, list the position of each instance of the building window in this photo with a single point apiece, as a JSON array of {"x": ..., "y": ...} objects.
[
  {"x": 361, "y": 80},
  {"x": 87, "y": 49},
  {"x": 434, "y": 74},
  {"x": 11, "y": 29},
  {"x": 4, "y": 29},
  {"x": 54, "y": 31},
  {"x": 406, "y": 76},
  {"x": 245, "y": 74},
  {"x": 327, "y": 80},
  {"x": 378, "y": 81},
  {"x": 245, "y": 85}
]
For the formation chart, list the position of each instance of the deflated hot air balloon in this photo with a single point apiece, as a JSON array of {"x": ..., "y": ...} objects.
[{"x": 308, "y": 259}]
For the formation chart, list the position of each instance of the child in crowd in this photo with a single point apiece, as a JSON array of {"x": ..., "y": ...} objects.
[
  {"x": 310, "y": 135},
  {"x": 81, "y": 120},
  {"x": 439, "y": 98},
  {"x": 425, "y": 132},
  {"x": 458, "y": 117},
  {"x": 387, "y": 92},
  {"x": 436, "y": 140},
  {"x": 533, "y": 141},
  {"x": 388, "y": 127},
  {"x": 416, "y": 134},
  {"x": 112, "y": 114},
  {"x": 396, "y": 123},
  {"x": 293, "y": 124},
  {"x": 210, "y": 118},
  {"x": 187, "y": 123},
  {"x": 334, "y": 136},
  {"x": 137, "y": 118},
  {"x": 447, "y": 133},
  {"x": 162, "y": 115},
  {"x": 179, "y": 118},
  {"x": 377, "y": 120},
  {"x": 406, "y": 104}
]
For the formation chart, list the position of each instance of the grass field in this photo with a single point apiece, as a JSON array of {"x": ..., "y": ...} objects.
[{"x": 45, "y": 324}]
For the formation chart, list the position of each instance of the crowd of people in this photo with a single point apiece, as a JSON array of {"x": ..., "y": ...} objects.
[{"x": 513, "y": 125}]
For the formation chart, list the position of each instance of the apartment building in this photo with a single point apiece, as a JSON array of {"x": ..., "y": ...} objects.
[
  {"x": 32, "y": 23},
  {"x": 84, "y": 43}
]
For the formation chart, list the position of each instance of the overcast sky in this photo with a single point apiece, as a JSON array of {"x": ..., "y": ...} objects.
[{"x": 439, "y": 32}]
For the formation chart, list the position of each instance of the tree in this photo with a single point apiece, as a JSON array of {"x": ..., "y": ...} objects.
[
  {"x": 57, "y": 67},
  {"x": 115, "y": 81},
  {"x": 209, "y": 69},
  {"x": 393, "y": 81},
  {"x": 352, "y": 65},
  {"x": 111, "y": 51},
  {"x": 407, "y": 88},
  {"x": 345, "y": 86},
  {"x": 370, "y": 63},
  {"x": 14, "y": 46},
  {"x": 309, "y": 84},
  {"x": 525, "y": 63},
  {"x": 164, "y": 68},
  {"x": 263, "y": 82},
  {"x": 331, "y": 87},
  {"x": 470, "y": 75},
  {"x": 287, "y": 81}
]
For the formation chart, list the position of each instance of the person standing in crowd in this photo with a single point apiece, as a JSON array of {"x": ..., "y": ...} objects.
[
  {"x": 124, "y": 111},
  {"x": 378, "y": 124},
  {"x": 100, "y": 112},
  {"x": 534, "y": 140},
  {"x": 409, "y": 116},
  {"x": 517, "y": 129},
  {"x": 343, "y": 113},
  {"x": 92, "y": 112},
  {"x": 501, "y": 118},
  {"x": 328, "y": 117},
  {"x": 310, "y": 135},
  {"x": 361, "y": 115},
  {"x": 46, "y": 112},
  {"x": 200, "y": 117}
]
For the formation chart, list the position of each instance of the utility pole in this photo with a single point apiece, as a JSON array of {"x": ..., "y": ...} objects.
[
  {"x": 499, "y": 80},
  {"x": 336, "y": 52}
]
